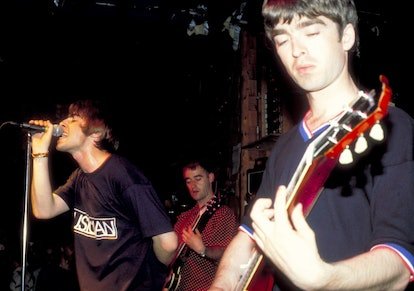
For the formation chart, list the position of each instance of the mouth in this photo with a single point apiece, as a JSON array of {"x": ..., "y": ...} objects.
[
  {"x": 303, "y": 69},
  {"x": 64, "y": 134}
]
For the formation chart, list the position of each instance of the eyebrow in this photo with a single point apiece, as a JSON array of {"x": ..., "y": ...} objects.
[{"x": 300, "y": 25}]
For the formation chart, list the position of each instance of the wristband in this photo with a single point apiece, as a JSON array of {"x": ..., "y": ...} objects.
[
  {"x": 40, "y": 155},
  {"x": 203, "y": 253}
]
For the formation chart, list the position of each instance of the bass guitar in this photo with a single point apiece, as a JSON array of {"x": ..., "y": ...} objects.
[
  {"x": 320, "y": 158},
  {"x": 174, "y": 277}
]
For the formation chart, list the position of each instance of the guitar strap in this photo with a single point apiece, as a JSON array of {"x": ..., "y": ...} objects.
[{"x": 205, "y": 217}]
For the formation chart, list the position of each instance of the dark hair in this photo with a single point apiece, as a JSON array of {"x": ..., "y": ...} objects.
[
  {"x": 341, "y": 12},
  {"x": 192, "y": 164},
  {"x": 98, "y": 120}
]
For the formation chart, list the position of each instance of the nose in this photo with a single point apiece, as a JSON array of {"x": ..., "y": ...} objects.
[
  {"x": 298, "y": 48},
  {"x": 63, "y": 122},
  {"x": 191, "y": 185}
]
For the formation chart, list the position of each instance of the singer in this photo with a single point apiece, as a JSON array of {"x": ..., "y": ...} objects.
[{"x": 124, "y": 238}]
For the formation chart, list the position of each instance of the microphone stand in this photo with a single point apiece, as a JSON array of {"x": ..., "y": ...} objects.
[
  {"x": 26, "y": 204},
  {"x": 26, "y": 212}
]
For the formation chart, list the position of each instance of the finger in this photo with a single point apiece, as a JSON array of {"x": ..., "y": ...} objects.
[
  {"x": 261, "y": 215},
  {"x": 280, "y": 206},
  {"x": 269, "y": 213},
  {"x": 263, "y": 226},
  {"x": 299, "y": 221},
  {"x": 259, "y": 206},
  {"x": 49, "y": 126}
]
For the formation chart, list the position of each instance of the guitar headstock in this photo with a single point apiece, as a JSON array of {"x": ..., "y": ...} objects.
[
  {"x": 213, "y": 204},
  {"x": 333, "y": 144},
  {"x": 362, "y": 115}
]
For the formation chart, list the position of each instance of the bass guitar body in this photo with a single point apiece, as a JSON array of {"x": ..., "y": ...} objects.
[{"x": 174, "y": 279}]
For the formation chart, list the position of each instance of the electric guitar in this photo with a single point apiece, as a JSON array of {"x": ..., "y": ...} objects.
[
  {"x": 320, "y": 158},
  {"x": 174, "y": 277}
]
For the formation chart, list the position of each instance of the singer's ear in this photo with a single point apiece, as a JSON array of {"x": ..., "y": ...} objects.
[{"x": 97, "y": 136}]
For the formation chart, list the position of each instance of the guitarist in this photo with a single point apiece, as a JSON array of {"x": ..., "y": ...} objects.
[
  {"x": 204, "y": 230},
  {"x": 359, "y": 234}
]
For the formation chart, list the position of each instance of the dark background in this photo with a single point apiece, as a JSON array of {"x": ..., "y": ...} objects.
[{"x": 173, "y": 94}]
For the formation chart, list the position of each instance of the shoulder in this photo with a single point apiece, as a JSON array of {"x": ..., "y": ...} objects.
[
  {"x": 290, "y": 143},
  {"x": 225, "y": 212},
  {"x": 399, "y": 136},
  {"x": 225, "y": 209},
  {"x": 289, "y": 134},
  {"x": 185, "y": 214},
  {"x": 399, "y": 125},
  {"x": 126, "y": 169},
  {"x": 398, "y": 117},
  {"x": 286, "y": 139}
]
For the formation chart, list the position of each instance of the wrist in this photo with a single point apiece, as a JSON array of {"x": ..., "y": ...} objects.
[
  {"x": 40, "y": 155},
  {"x": 203, "y": 253}
]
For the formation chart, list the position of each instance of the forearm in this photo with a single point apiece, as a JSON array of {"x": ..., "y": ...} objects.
[
  {"x": 214, "y": 253},
  {"x": 165, "y": 246},
  {"x": 230, "y": 269},
  {"x": 380, "y": 269},
  {"x": 41, "y": 196}
]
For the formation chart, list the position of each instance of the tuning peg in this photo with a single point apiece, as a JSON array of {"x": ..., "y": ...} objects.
[
  {"x": 346, "y": 156},
  {"x": 377, "y": 132},
  {"x": 361, "y": 144}
]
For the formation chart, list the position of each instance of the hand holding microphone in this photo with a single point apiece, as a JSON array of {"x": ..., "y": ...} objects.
[
  {"x": 57, "y": 129},
  {"x": 41, "y": 142}
]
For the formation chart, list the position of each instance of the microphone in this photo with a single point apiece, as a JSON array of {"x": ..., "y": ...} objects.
[{"x": 57, "y": 129}]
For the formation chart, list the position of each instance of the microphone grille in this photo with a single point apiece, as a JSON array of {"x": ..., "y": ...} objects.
[{"x": 57, "y": 130}]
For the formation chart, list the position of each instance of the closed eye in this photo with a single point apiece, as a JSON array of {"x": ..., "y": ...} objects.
[
  {"x": 313, "y": 33},
  {"x": 280, "y": 40}
]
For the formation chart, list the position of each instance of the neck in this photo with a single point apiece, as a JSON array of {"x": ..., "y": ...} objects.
[
  {"x": 201, "y": 203},
  {"x": 91, "y": 160},
  {"x": 328, "y": 103}
]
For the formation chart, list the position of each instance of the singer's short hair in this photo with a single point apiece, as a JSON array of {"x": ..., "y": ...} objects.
[{"x": 98, "y": 120}]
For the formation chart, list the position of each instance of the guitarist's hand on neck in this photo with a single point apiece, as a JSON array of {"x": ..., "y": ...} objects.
[
  {"x": 295, "y": 241},
  {"x": 193, "y": 240}
]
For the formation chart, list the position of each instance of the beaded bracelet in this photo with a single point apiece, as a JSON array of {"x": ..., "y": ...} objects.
[{"x": 40, "y": 155}]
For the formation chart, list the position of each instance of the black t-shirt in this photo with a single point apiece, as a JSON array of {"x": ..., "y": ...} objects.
[{"x": 116, "y": 214}]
